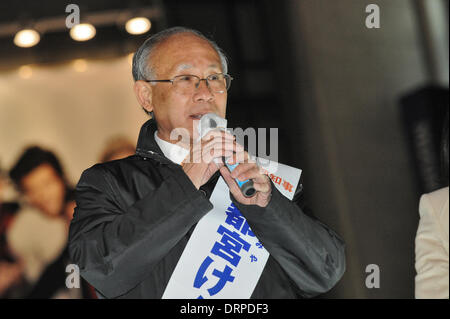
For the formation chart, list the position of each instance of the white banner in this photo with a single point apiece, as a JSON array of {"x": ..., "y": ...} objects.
[{"x": 223, "y": 258}]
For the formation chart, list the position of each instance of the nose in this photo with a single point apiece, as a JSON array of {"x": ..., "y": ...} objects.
[{"x": 203, "y": 93}]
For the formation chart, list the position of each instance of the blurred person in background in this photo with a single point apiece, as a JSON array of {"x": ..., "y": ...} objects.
[
  {"x": 11, "y": 270},
  {"x": 39, "y": 235},
  {"x": 432, "y": 279},
  {"x": 116, "y": 148}
]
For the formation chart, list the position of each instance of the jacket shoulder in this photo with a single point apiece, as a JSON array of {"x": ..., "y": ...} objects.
[{"x": 100, "y": 170}]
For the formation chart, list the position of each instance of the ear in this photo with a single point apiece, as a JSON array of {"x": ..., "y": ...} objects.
[{"x": 143, "y": 91}]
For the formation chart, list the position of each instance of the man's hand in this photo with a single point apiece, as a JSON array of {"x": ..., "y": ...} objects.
[
  {"x": 200, "y": 165},
  {"x": 248, "y": 170}
]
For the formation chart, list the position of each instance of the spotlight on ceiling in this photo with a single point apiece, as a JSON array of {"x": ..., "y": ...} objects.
[
  {"x": 26, "y": 38},
  {"x": 82, "y": 32},
  {"x": 138, "y": 25}
]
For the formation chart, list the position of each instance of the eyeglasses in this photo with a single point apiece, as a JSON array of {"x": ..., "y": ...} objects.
[{"x": 187, "y": 84}]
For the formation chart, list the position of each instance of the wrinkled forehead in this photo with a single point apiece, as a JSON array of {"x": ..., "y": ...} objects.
[{"x": 184, "y": 51}]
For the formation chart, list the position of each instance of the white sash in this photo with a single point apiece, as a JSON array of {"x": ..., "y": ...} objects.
[{"x": 223, "y": 258}]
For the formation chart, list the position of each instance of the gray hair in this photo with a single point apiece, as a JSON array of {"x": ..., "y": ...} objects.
[{"x": 142, "y": 66}]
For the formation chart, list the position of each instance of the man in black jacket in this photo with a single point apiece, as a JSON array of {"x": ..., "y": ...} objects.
[{"x": 135, "y": 216}]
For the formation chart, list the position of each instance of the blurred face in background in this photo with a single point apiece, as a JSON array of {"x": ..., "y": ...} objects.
[{"x": 44, "y": 189}]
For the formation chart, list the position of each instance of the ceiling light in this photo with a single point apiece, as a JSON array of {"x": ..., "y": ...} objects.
[
  {"x": 26, "y": 38},
  {"x": 82, "y": 32},
  {"x": 138, "y": 25}
]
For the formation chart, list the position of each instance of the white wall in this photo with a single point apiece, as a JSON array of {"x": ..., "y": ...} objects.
[{"x": 70, "y": 112}]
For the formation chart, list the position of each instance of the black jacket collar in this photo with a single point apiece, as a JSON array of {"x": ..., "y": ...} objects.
[{"x": 146, "y": 145}]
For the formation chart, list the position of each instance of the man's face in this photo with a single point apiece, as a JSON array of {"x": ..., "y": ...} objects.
[
  {"x": 44, "y": 189},
  {"x": 184, "y": 54}
]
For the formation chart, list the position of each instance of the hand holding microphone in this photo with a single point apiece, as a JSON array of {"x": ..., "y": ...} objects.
[
  {"x": 211, "y": 122},
  {"x": 201, "y": 163},
  {"x": 216, "y": 149}
]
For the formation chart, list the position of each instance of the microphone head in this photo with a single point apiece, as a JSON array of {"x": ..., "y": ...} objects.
[{"x": 210, "y": 122}]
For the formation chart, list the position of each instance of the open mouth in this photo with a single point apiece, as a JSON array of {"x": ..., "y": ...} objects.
[{"x": 196, "y": 116}]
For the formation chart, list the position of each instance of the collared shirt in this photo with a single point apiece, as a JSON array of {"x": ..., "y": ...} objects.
[{"x": 173, "y": 152}]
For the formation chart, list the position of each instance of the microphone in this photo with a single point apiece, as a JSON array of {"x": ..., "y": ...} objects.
[{"x": 212, "y": 121}]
